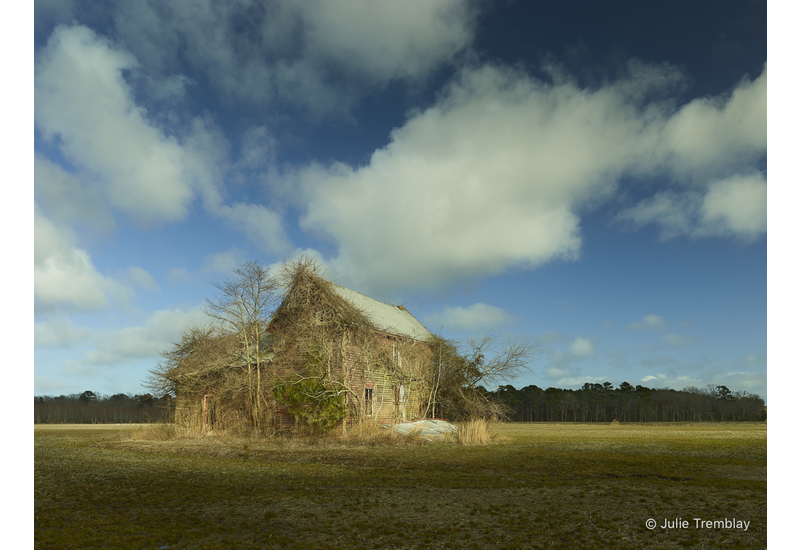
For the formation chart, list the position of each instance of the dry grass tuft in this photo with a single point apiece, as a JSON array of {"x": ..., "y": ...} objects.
[
  {"x": 374, "y": 434},
  {"x": 369, "y": 434},
  {"x": 156, "y": 432},
  {"x": 477, "y": 432}
]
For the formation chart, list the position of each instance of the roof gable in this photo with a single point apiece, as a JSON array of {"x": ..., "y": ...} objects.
[
  {"x": 384, "y": 317},
  {"x": 309, "y": 292}
]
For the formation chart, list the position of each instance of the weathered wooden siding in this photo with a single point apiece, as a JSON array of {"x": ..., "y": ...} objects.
[
  {"x": 383, "y": 371},
  {"x": 376, "y": 361}
]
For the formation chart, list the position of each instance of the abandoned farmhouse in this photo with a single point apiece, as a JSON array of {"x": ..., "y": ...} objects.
[{"x": 328, "y": 356}]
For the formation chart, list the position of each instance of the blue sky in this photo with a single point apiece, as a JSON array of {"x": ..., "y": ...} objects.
[{"x": 591, "y": 179}]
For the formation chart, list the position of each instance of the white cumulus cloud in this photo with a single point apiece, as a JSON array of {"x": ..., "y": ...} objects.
[
  {"x": 649, "y": 322},
  {"x": 145, "y": 341},
  {"x": 734, "y": 206},
  {"x": 123, "y": 160},
  {"x": 475, "y": 318},
  {"x": 738, "y": 205},
  {"x": 64, "y": 277},
  {"x": 322, "y": 56},
  {"x": 581, "y": 347},
  {"x": 719, "y": 136},
  {"x": 496, "y": 173},
  {"x": 141, "y": 278},
  {"x": 82, "y": 98}
]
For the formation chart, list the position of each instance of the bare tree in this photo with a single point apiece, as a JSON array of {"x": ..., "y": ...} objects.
[
  {"x": 458, "y": 379},
  {"x": 242, "y": 309},
  {"x": 196, "y": 353},
  {"x": 495, "y": 362}
]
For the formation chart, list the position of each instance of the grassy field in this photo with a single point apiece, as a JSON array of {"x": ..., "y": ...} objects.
[{"x": 544, "y": 486}]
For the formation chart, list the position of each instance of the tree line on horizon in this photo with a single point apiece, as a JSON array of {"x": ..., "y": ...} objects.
[
  {"x": 94, "y": 408},
  {"x": 590, "y": 403},
  {"x": 628, "y": 403}
]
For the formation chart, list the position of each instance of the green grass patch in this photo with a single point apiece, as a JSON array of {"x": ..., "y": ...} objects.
[{"x": 545, "y": 486}]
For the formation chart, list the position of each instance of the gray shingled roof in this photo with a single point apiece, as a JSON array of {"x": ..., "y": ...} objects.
[{"x": 386, "y": 317}]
